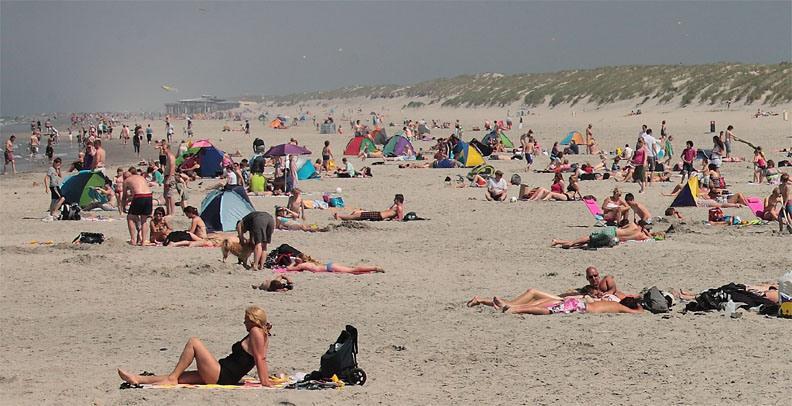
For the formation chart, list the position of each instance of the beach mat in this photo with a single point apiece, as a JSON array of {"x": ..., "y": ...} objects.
[{"x": 757, "y": 206}]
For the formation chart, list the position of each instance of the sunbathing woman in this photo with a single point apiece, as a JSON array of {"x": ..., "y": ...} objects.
[
  {"x": 395, "y": 212},
  {"x": 283, "y": 222},
  {"x": 556, "y": 191},
  {"x": 576, "y": 305},
  {"x": 249, "y": 352},
  {"x": 160, "y": 226},
  {"x": 625, "y": 232},
  {"x": 614, "y": 208},
  {"x": 771, "y": 205},
  {"x": 306, "y": 263},
  {"x": 197, "y": 231}
]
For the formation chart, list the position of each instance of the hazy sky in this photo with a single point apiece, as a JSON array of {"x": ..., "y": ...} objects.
[{"x": 92, "y": 56}]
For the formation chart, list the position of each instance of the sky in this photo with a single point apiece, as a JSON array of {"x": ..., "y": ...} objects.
[{"x": 115, "y": 56}]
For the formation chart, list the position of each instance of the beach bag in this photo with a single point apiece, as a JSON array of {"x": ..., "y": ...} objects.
[
  {"x": 655, "y": 301},
  {"x": 281, "y": 256},
  {"x": 516, "y": 180},
  {"x": 341, "y": 360},
  {"x": 89, "y": 238},
  {"x": 70, "y": 212},
  {"x": 336, "y": 202},
  {"x": 715, "y": 214}
]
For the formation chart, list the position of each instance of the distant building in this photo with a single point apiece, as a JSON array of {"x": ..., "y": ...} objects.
[{"x": 203, "y": 104}]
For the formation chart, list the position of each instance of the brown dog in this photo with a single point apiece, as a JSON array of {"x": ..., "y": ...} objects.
[{"x": 242, "y": 252}]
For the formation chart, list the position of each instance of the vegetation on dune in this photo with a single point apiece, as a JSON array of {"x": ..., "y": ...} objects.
[{"x": 696, "y": 84}]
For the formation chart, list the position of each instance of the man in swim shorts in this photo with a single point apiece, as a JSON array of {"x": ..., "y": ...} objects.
[
  {"x": 138, "y": 194},
  {"x": 395, "y": 212},
  {"x": 259, "y": 225},
  {"x": 785, "y": 215},
  {"x": 171, "y": 182}
]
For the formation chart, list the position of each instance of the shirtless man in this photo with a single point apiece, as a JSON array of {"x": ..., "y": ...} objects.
[
  {"x": 597, "y": 288},
  {"x": 294, "y": 207},
  {"x": 527, "y": 142},
  {"x": 169, "y": 186},
  {"x": 8, "y": 154},
  {"x": 34, "y": 145},
  {"x": 785, "y": 215},
  {"x": 98, "y": 163},
  {"x": 638, "y": 209},
  {"x": 138, "y": 194},
  {"x": 395, "y": 212}
]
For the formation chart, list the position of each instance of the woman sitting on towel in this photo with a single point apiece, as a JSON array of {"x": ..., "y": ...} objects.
[
  {"x": 556, "y": 191},
  {"x": 249, "y": 352},
  {"x": 197, "y": 231}
]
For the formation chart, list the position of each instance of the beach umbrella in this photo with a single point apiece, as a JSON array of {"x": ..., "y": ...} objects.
[
  {"x": 201, "y": 144},
  {"x": 286, "y": 149}
]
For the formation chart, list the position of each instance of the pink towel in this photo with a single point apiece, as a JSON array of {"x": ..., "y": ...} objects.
[
  {"x": 594, "y": 208},
  {"x": 757, "y": 206}
]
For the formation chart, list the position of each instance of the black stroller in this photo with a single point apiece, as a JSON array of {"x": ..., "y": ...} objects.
[{"x": 341, "y": 360}]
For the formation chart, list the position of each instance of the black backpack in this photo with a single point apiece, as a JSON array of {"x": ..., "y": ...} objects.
[
  {"x": 89, "y": 238},
  {"x": 281, "y": 256},
  {"x": 341, "y": 360},
  {"x": 70, "y": 212}
]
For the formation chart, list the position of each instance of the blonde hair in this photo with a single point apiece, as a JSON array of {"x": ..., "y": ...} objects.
[{"x": 258, "y": 316}]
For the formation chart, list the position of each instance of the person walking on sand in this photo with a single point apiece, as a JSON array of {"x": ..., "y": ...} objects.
[
  {"x": 639, "y": 160},
  {"x": 589, "y": 139},
  {"x": 149, "y": 134},
  {"x": 728, "y": 140},
  {"x": 138, "y": 194},
  {"x": 327, "y": 155},
  {"x": 52, "y": 184},
  {"x": 8, "y": 154}
]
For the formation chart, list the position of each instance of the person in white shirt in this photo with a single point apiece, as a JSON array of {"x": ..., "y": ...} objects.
[
  {"x": 651, "y": 151},
  {"x": 496, "y": 187}
]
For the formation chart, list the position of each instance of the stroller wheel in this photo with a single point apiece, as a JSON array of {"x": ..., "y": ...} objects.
[{"x": 357, "y": 376}]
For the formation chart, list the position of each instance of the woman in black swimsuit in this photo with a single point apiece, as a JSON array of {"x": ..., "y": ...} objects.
[{"x": 245, "y": 354}]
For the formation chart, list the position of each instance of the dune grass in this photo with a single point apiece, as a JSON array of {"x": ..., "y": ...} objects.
[{"x": 694, "y": 84}]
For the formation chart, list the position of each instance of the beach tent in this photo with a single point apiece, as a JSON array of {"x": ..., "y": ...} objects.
[
  {"x": 485, "y": 150},
  {"x": 77, "y": 188},
  {"x": 573, "y": 136},
  {"x": 398, "y": 145},
  {"x": 221, "y": 209},
  {"x": 507, "y": 143},
  {"x": 468, "y": 155},
  {"x": 687, "y": 196},
  {"x": 306, "y": 170},
  {"x": 379, "y": 136},
  {"x": 359, "y": 144},
  {"x": 209, "y": 157}
]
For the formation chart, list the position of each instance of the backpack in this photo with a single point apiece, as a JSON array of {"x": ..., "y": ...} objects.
[
  {"x": 70, "y": 212},
  {"x": 89, "y": 238},
  {"x": 655, "y": 301},
  {"x": 281, "y": 256},
  {"x": 341, "y": 360}
]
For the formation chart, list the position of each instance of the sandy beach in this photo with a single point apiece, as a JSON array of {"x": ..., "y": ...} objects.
[{"x": 73, "y": 314}]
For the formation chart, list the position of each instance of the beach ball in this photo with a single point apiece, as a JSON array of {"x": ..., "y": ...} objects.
[{"x": 338, "y": 190}]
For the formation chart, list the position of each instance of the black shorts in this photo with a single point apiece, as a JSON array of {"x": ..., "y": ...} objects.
[
  {"x": 142, "y": 205},
  {"x": 55, "y": 192}
]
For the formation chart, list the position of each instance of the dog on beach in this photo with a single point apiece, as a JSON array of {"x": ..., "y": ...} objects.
[{"x": 242, "y": 252}]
